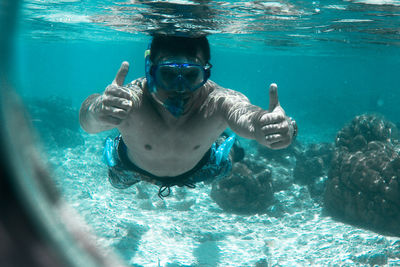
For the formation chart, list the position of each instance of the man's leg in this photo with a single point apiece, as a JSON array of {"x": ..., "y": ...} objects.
[
  {"x": 118, "y": 176},
  {"x": 237, "y": 152}
]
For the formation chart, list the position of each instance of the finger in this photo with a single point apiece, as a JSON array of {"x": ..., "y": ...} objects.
[
  {"x": 121, "y": 74},
  {"x": 117, "y": 91},
  {"x": 278, "y": 128},
  {"x": 117, "y": 102},
  {"x": 271, "y": 118},
  {"x": 273, "y": 97},
  {"x": 273, "y": 138},
  {"x": 280, "y": 144}
]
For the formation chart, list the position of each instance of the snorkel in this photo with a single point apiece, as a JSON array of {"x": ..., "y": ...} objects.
[{"x": 175, "y": 100}]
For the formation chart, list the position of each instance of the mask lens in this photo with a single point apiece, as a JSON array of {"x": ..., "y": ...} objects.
[
  {"x": 194, "y": 75},
  {"x": 170, "y": 75},
  {"x": 167, "y": 73}
]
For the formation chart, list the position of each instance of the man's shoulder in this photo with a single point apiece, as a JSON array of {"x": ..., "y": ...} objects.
[
  {"x": 137, "y": 85},
  {"x": 217, "y": 91}
]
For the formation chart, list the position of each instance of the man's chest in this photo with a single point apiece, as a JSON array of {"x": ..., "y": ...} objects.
[{"x": 147, "y": 132}]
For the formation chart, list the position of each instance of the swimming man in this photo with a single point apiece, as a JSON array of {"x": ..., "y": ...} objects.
[{"x": 171, "y": 122}]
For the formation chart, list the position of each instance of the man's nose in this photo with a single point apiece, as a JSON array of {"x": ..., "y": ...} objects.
[{"x": 180, "y": 85}]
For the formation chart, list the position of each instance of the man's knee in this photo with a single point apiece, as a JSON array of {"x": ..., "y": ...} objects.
[
  {"x": 237, "y": 152},
  {"x": 121, "y": 179}
]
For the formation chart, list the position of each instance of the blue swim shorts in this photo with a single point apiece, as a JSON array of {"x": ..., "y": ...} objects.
[{"x": 123, "y": 173}]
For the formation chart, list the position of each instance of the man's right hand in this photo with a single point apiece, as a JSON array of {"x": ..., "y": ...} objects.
[{"x": 114, "y": 105}]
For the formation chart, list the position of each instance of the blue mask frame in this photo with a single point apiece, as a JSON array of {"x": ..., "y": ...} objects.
[
  {"x": 180, "y": 81},
  {"x": 174, "y": 106}
]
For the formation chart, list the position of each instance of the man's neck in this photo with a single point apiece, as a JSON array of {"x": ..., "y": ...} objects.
[{"x": 169, "y": 119}]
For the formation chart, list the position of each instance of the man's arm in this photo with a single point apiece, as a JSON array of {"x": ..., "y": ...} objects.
[
  {"x": 101, "y": 112},
  {"x": 238, "y": 112},
  {"x": 271, "y": 128}
]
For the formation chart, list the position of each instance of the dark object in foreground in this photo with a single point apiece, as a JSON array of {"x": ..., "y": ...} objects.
[{"x": 363, "y": 184}]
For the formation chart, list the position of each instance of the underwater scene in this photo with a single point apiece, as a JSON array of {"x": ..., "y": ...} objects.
[{"x": 331, "y": 198}]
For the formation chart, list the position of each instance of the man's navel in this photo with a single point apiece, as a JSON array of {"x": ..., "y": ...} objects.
[
  {"x": 147, "y": 147},
  {"x": 196, "y": 147}
]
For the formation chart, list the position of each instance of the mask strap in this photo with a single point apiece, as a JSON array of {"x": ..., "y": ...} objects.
[{"x": 147, "y": 69}]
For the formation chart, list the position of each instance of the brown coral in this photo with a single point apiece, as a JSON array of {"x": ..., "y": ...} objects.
[
  {"x": 363, "y": 184},
  {"x": 244, "y": 192}
]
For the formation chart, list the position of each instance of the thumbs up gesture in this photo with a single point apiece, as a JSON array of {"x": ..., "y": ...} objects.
[
  {"x": 114, "y": 105},
  {"x": 273, "y": 128}
]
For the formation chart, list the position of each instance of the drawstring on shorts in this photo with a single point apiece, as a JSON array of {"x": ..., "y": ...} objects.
[{"x": 167, "y": 186}]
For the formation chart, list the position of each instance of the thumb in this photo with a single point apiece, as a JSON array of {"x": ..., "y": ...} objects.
[
  {"x": 121, "y": 74},
  {"x": 273, "y": 97}
]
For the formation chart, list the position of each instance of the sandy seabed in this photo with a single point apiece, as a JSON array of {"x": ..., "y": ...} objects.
[{"x": 189, "y": 229}]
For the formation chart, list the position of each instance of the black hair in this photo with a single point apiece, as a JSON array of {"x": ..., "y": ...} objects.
[{"x": 175, "y": 44}]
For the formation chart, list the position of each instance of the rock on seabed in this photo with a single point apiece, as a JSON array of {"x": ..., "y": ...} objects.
[{"x": 363, "y": 181}]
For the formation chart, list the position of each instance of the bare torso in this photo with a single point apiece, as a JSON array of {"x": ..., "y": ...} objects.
[{"x": 164, "y": 145}]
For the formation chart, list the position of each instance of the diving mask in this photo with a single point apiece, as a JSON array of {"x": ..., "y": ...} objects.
[{"x": 180, "y": 76}]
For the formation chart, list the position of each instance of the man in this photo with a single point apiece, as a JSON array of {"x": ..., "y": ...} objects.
[{"x": 171, "y": 122}]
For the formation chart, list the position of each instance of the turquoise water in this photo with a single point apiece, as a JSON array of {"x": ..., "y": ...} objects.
[{"x": 332, "y": 60}]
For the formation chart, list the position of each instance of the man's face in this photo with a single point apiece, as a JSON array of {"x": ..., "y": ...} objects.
[
  {"x": 177, "y": 78},
  {"x": 178, "y": 74}
]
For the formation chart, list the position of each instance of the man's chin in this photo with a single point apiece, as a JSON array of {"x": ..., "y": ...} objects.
[{"x": 184, "y": 97}]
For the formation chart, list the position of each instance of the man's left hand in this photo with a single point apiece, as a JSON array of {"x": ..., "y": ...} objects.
[{"x": 273, "y": 128}]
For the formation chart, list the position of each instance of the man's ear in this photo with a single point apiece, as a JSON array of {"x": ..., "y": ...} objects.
[
  {"x": 208, "y": 73},
  {"x": 208, "y": 70}
]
